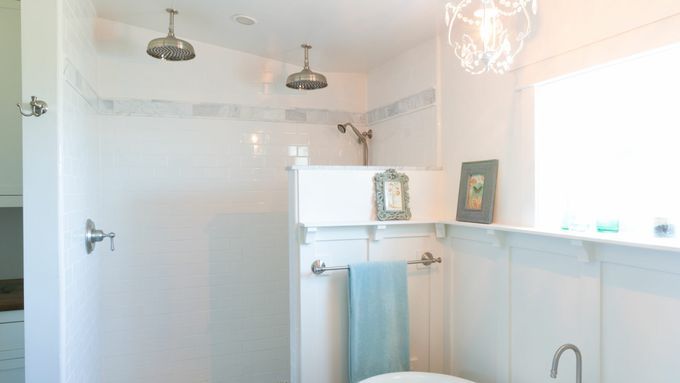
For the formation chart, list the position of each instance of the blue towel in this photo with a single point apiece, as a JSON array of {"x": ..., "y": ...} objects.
[{"x": 378, "y": 319}]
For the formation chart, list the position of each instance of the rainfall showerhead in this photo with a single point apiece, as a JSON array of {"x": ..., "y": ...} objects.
[
  {"x": 306, "y": 79},
  {"x": 170, "y": 47}
]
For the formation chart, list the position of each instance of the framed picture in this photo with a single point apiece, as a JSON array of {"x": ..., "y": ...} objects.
[
  {"x": 391, "y": 196},
  {"x": 477, "y": 191}
]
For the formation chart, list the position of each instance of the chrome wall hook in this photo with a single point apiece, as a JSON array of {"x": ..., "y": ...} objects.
[
  {"x": 93, "y": 235},
  {"x": 38, "y": 108}
]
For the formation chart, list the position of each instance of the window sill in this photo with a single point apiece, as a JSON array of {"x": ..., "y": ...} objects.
[
  {"x": 617, "y": 239},
  {"x": 309, "y": 230}
]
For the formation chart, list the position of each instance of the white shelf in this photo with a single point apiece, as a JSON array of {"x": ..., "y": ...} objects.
[
  {"x": 377, "y": 228},
  {"x": 496, "y": 233},
  {"x": 365, "y": 223},
  {"x": 618, "y": 239},
  {"x": 356, "y": 167}
]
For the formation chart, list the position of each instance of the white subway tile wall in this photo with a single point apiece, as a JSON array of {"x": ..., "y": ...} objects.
[
  {"x": 198, "y": 287},
  {"x": 403, "y": 108},
  {"x": 80, "y": 161}
]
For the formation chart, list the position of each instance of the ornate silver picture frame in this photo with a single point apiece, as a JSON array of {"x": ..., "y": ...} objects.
[{"x": 392, "y": 196}]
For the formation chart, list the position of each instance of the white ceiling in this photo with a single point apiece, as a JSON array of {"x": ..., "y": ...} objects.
[{"x": 347, "y": 35}]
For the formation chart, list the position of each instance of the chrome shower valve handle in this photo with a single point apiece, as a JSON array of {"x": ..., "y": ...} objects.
[
  {"x": 93, "y": 235},
  {"x": 38, "y": 108}
]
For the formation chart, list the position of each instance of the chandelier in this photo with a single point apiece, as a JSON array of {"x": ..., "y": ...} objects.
[{"x": 487, "y": 34}]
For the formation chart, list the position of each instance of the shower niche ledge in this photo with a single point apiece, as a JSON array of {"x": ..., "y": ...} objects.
[{"x": 310, "y": 232}]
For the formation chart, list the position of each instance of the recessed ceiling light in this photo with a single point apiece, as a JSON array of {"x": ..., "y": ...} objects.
[{"x": 243, "y": 19}]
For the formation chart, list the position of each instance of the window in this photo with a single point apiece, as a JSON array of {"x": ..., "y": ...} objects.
[{"x": 608, "y": 145}]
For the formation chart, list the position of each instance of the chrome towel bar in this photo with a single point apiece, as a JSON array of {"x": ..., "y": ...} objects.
[{"x": 426, "y": 259}]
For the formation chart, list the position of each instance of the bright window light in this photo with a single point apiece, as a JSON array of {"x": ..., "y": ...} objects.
[{"x": 608, "y": 145}]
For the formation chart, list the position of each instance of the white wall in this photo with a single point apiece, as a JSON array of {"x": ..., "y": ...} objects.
[
  {"x": 61, "y": 190},
  {"x": 41, "y": 74},
  {"x": 490, "y": 116},
  {"x": 81, "y": 197},
  {"x": 512, "y": 306},
  {"x": 193, "y": 175},
  {"x": 406, "y": 128}
]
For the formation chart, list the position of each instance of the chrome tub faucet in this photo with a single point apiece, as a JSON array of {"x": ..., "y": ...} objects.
[{"x": 558, "y": 355}]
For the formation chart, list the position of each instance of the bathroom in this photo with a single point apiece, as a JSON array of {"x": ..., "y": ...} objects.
[{"x": 216, "y": 179}]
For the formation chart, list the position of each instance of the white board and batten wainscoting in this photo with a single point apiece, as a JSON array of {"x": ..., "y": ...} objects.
[
  {"x": 332, "y": 218},
  {"x": 501, "y": 302},
  {"x": 517, "y": 294}
]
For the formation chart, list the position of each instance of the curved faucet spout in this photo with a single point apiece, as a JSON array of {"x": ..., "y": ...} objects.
[{"x": 558, "y": 355}]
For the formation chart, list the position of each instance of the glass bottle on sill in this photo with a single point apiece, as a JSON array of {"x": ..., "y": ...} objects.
[
  {"x": 607, "y": 213},
  {"x": 607, "y": 225},
  {"x": 580, "y": 220},
  {"x": 663, "y": 227}
]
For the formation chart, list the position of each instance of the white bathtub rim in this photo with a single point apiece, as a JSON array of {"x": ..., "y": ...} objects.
[{"x": 403, "y": 376}]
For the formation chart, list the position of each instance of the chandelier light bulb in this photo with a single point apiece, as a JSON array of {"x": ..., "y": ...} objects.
[{"x": 486, "y": 35}]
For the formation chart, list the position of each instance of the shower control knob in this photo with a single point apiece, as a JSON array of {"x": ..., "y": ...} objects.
[{"x": 93, "y": 235}]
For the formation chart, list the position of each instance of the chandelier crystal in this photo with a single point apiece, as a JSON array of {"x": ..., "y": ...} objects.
[{"x": 486, "y": 35}]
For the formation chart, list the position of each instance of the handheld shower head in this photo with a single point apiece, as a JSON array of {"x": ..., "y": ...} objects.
[{"x": 362, "y": 137}]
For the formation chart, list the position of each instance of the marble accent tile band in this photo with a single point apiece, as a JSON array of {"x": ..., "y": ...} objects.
[
  {"x": 75, "y": 79},
  {"x": 405, "y": 105},
  {"x": 178, "y": 109},
  {"x": 175, "y": 109}
]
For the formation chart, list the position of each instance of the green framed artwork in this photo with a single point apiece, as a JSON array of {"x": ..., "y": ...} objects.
[{"x": 477, "y": 191}]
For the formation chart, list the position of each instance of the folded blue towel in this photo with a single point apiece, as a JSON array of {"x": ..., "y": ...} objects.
[{"x": 378, "y": 319}]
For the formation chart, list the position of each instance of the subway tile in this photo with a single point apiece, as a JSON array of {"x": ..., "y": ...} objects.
[{"x": 200, "y": 191}]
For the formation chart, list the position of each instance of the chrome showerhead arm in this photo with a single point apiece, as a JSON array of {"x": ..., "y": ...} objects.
[
  {"x": 171, "y": 26},
  {"x": 306, "y": 47}
]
